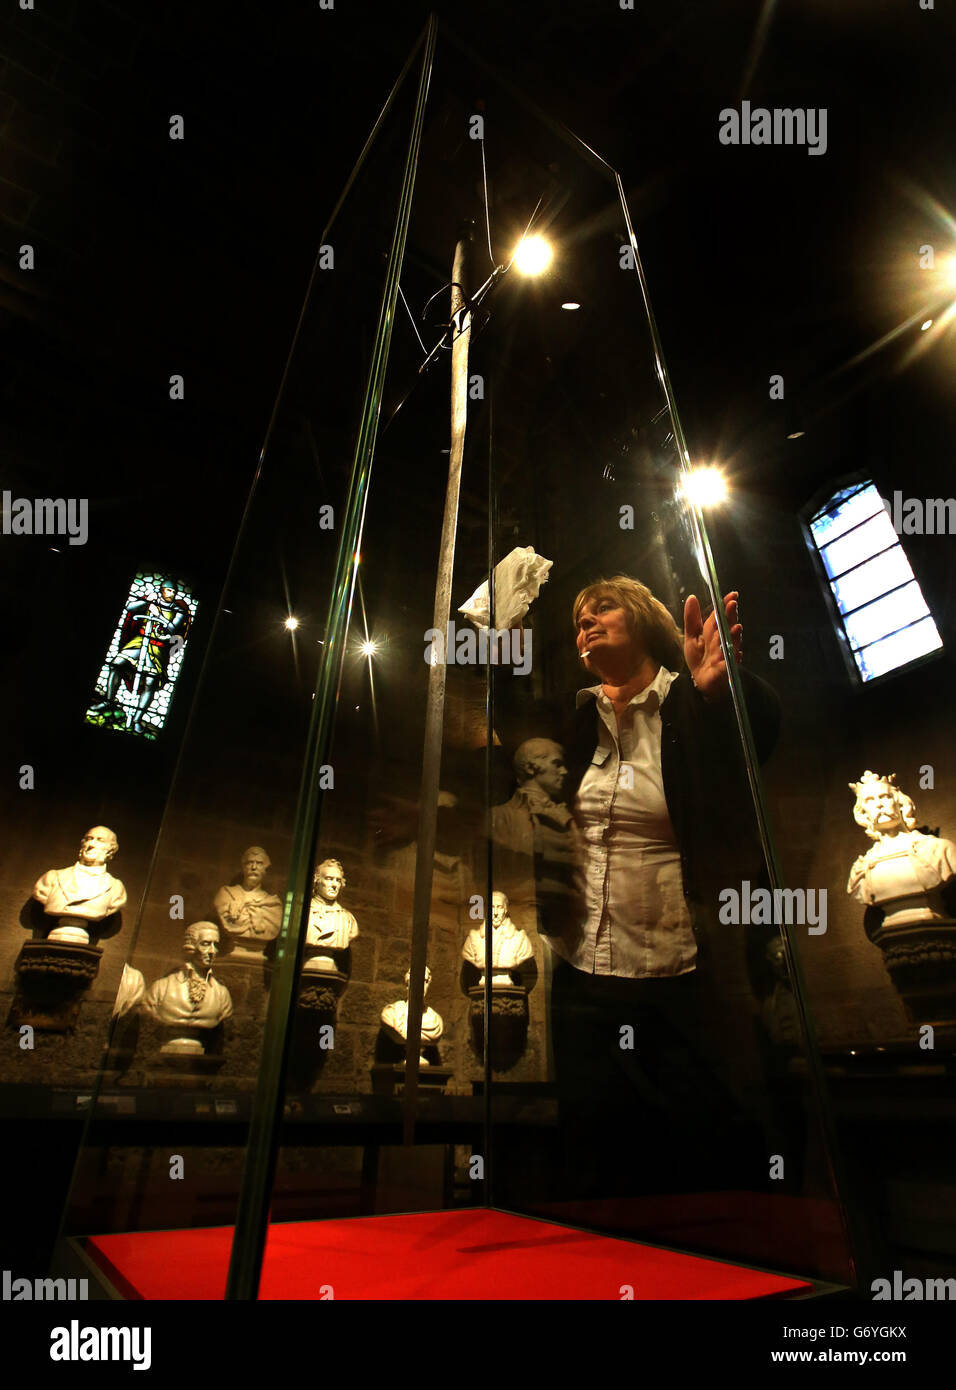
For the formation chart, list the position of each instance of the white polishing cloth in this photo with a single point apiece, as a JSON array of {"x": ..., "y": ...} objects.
[{"x": 518, "y": 580}]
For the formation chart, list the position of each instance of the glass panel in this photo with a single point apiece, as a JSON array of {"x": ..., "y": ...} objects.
[
  {"x": 169, "y": 1127},
  {"x": 875, "y": 1000},
  {"x": 638, "y": 1011}
]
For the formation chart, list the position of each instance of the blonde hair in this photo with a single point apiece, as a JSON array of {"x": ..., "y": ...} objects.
[{"x": 647, "y": 618}]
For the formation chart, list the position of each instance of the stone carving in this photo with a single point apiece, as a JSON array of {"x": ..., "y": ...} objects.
[
  {"x": 510, "y": 946},
  {"x": 331, "y": 927},
  {"x": 903, "y": 880},
  {"x": 395, "y": 1018},
  {"x": 536, "y": 843},
  {"x": 85, "y": 893},
  {"x": 51, "y": 981},
  {"x": 903, "y": 871},
  {"x": 191, "y": 1001},
  {"x": 248, "y": 912}
]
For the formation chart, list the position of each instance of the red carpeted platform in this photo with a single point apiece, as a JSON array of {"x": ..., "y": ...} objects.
[{"x": 474, "y": 1254}]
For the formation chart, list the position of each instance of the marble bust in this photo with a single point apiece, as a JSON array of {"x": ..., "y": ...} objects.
[
  {"x": 395, "y": 1017},
  {"x": 536, "y": 845},
  {"x": 903, "y": 871},
  {"x": 510, "y": 946},
  {"x": 248, "y": 912},
  {"x": 330, "y": 925},
  {"x": 191, "y": 996},
  {"x": 84, "y": 893}
]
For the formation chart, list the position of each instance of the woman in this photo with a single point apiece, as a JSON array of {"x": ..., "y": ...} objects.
[{"x": 664, "y": 819}]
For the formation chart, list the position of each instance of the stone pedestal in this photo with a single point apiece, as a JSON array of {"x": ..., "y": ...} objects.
[
  {"x": 246, "y": 955},
  {"x": 51, "y": 979},
  {"x": 71, "y": 931},
  {"x": 190, "y": 1049},
  {"x": 921, "y": 960},
  {"x": 509, "y": 1023},
  {"x": 320, "y": 991},
  {"x": 316, "y": 1009},
  {"x": 388, "y": 1078}
]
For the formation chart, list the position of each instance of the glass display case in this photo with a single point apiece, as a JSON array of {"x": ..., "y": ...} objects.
[{"x": 470, "y": 924}]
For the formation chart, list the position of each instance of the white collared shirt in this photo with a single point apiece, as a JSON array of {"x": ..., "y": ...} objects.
[{"x": 636, "y": 920}]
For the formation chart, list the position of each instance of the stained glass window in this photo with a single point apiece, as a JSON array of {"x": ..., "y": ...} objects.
[
  {"x": 144, "y": 658},
  {"x": 885, "y": 617}
]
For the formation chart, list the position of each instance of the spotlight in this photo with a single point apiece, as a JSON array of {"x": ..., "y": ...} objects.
[
  {"x": 705, "y": 486},
  {"x": 796, "y": 434},
  {"x": 570, "y": 304},
  {"x": 533, "y": 255},
  {"x": 923, "y": 326},
  {"x": 369, "y": 648},
  {"x": 291, "y": 623}
]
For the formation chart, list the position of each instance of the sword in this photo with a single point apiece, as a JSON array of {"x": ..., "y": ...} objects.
[{"x": 431, "y": 757}]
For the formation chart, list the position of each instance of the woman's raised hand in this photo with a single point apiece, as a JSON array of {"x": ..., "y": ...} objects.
[{"x": 702, "y": 652}]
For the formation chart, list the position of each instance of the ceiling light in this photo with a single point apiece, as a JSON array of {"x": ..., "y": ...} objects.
[
  {"x": 705, "y": 486},
  {"x": 533, "y": 255}
]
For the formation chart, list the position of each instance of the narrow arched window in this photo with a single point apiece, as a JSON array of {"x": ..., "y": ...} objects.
[{"x": 885, "y": 622}]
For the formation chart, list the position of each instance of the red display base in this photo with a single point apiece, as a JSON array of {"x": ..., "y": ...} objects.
[{"x": 474, "y": 1254}]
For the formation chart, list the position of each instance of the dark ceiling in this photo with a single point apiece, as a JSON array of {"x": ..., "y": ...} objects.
[
  {"x": 760, "y": 259},
  {"x": 155, "y": 256}
]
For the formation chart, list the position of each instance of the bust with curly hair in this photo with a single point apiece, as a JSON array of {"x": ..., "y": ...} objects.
[{"x": 904, "y": 871}]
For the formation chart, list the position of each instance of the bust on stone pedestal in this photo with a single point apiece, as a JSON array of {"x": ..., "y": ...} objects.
[
  {"x": 191, "y": 998},
  {"x": 55, "y": 968},
  {"x": 395, "y": 1018},
  {"x": 510, "y": 946},
  {"x": 903, "y": 871},
  {"x": 248, "y": 912},
  {"x": 331, "y": 927},
  {"x": 904, "y": 879},
  {"x": 83, "y": 894}
]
